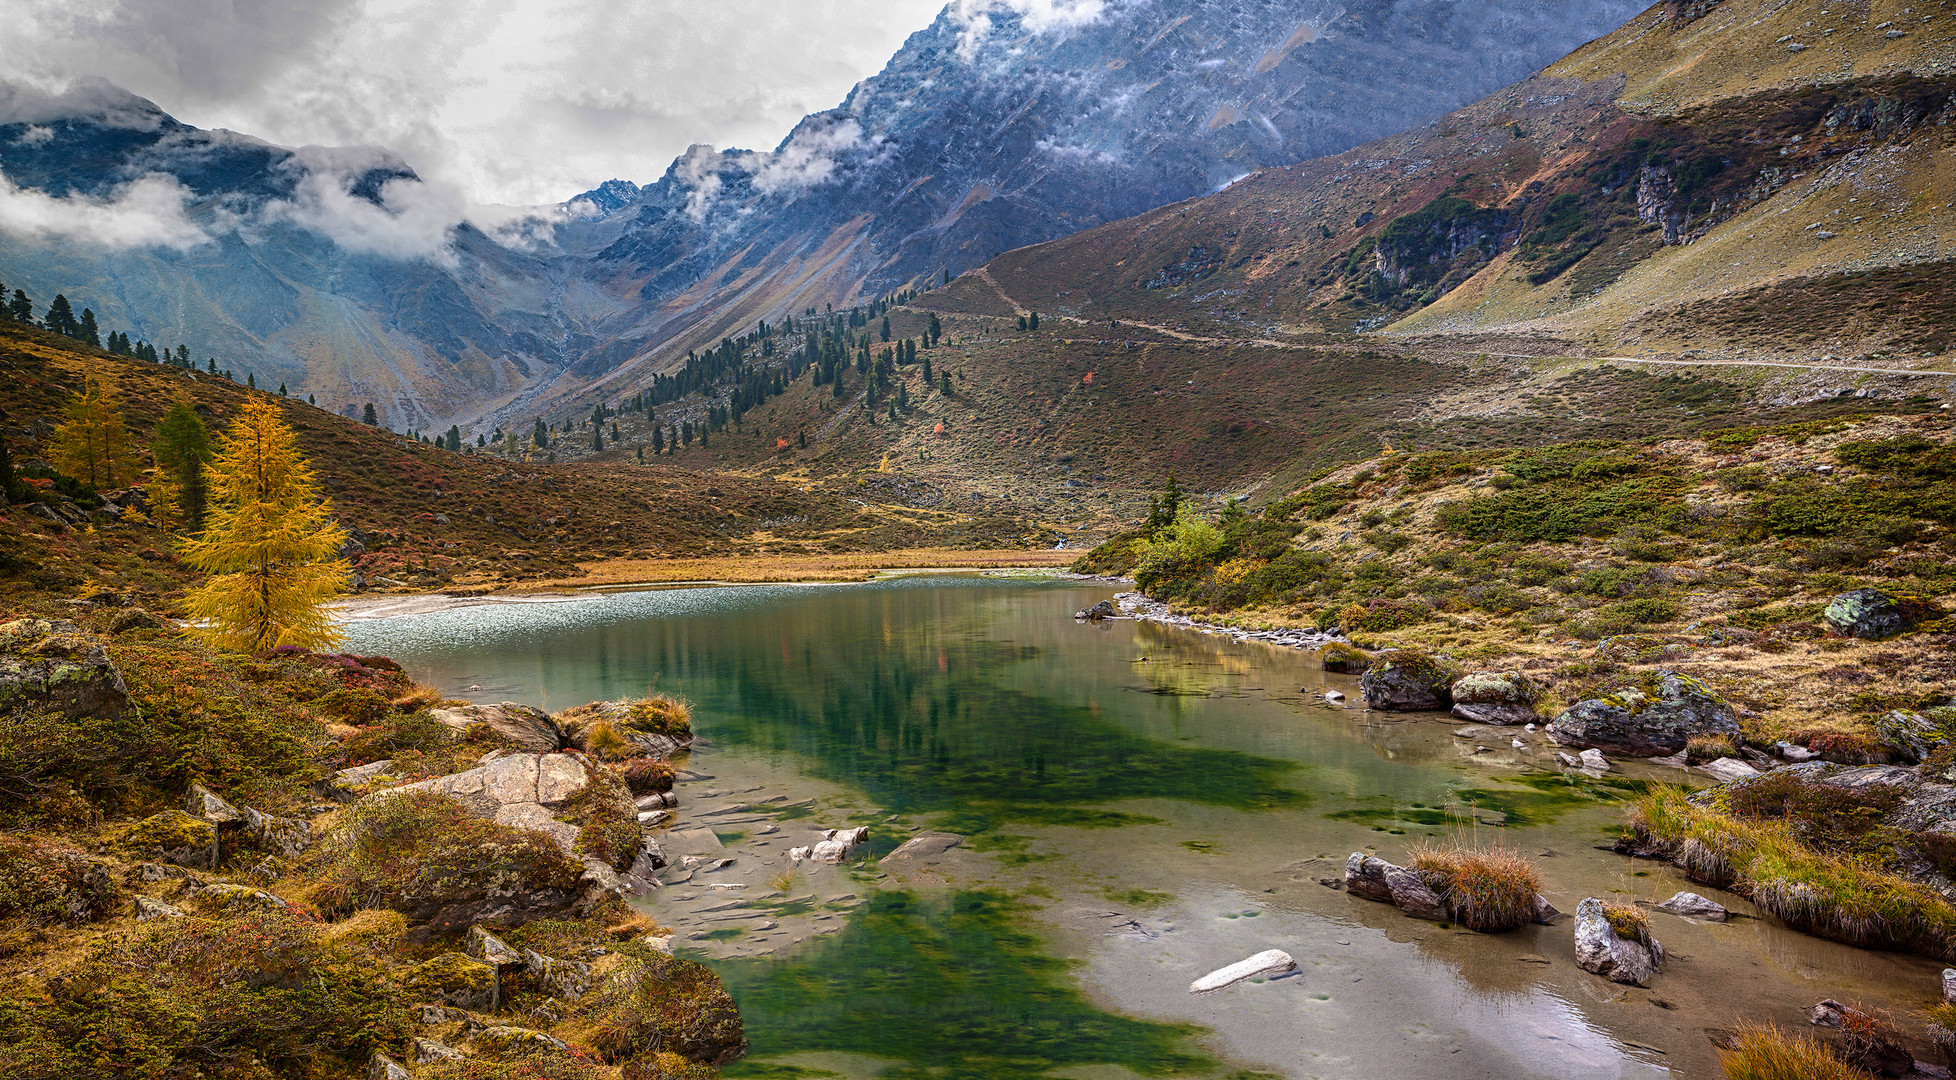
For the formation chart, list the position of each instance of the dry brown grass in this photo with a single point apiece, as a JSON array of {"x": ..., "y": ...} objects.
[
  {"x": 1767, "y": 1053},
  {"x": 1488, "y": 889},
  {"x": 764, "y": 569}
]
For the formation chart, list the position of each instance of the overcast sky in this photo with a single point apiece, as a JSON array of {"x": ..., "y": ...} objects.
[{"x": 512, "y": 101}]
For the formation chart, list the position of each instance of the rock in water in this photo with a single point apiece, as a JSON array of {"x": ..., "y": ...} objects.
[
  {"x": 924, "y": 846},
  {"x": 1273, "y": 962},
  {"x": 1406, "y": 680},
  {"x": 1495, "y": 697},
  {"x": 1600, "y": 950},
  {"x": 835, "y": 846},
  {"x": 1634, "y": 724},
  {"x": 1692, "y": 906},
  {"x": 1949, "y": 985},
  {"x": 1594, "y": 759},
  {"x": 1868, "y": 614},
  {"x": 1102, "y": 610}
]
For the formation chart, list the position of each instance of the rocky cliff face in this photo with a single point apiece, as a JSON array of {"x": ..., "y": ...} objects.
[{"x": 994, "y": 129}]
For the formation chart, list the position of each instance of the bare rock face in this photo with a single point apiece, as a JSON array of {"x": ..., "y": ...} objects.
[
  {"x": 525, "y": 791},
  {"x": 51, "y": 665},
  {"x": 528, "y": 727},
  {"x": 1600, "y": 950}
]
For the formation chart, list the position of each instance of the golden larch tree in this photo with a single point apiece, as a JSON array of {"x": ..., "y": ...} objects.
[
  {"x": 91, "y": 444},
  {"x": 270, "y": 544}
]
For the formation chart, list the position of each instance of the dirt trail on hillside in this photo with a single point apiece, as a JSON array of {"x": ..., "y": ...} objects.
[{"x": 1731, "y": 363}]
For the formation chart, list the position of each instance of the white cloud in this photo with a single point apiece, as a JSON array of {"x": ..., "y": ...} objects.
[
  {"x": 146, "y": 212},
  {"x": 508, "y": 101},
  {"x": 405, "y": 219},
  {"x": 808, "y": 158},
  {"x": 699, "y": 169},
  {"x": 35, "y": 135},
  {"x": 1038, "y": 16}
]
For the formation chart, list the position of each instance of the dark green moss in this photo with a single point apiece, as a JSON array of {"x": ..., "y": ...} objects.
[{"x": 954, "y": 988}]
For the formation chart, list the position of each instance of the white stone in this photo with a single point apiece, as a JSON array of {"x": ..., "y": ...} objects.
[
  {"x": 1594, "y": 759},
  {"x": 1272, "y": 962},
  {"x": 1727, "y": 769}
]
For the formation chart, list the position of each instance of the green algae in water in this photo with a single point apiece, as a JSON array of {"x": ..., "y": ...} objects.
[
  {"x": 952, "y": 987},
  {"x": 1537, "y": 799}
]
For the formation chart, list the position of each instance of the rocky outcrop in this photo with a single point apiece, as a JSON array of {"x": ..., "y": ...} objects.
[
  {"x": 1636, "y": 724},
  {"x": 1098, "y": 612},
  {"x": 655, "y": 728},
  {"x": 566, "y": 980},
  {"x": 51, "y": 665},
  {"x": 523, "y": 726},
  {"x": 235, "y": 899},
  {"x": 1599, "y": 949},
  {"x": 1496, "y": 697},
  {"x": 1868, "y": 614},
  {"x": 525, "y": 791},
  {"x": 1406, "y": 680},
  {"x": 1344, "y": 658},
  {"x": 1412, "y": 892},
  {"x": 455, "y": 979},
  {"x": 288, "y": 837}
]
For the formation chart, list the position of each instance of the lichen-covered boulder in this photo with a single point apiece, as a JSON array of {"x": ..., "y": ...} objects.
[
  {"x": 1496, "y": 697},
  {"x": 51, "y": 665},
  {"x": 172, "y": 837},
  {"x": 523, "y": 726},
  {"x": 505, "y": 1038},
  {"x": 128, "y": 619},
  {"x": 1633, "y": 723},
  {"x": 566, "y": 980},
  {"x": 1869, "y": 614},
  {"x": 1601, "y": 950},
  {"x": 226, "y": 898},
  {"x": 454, "y": 979},
  {"x": 1913, "y": 735},
  {"x": 526, "y": 791},
  {"x": 1407, "y": 680}
]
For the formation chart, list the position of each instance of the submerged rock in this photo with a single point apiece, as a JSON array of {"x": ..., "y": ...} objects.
[
  {"x": 1270, "y": 962},
  {"x": 1868, "y": 614},
  {"x": 1102, "y": 610},
  {"x": 1636, "y": 724},
  {"x": 1406, "y": 680},
  {"x": 1600, "y": 950},
  {"x": 1496, "y": 697},
  {"x": 1692, "y": 906},
  {"x": 924, "y": 846},
  {"x": 834, "y": 848}
]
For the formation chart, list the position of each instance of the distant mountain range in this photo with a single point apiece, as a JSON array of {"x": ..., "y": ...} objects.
[{"x": 340, "y": 273}]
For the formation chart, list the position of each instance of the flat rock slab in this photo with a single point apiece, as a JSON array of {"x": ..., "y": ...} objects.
[
  {"x": 925, "y": 846},
  {"x": 689, "y": 841},
  {"x": 1272, "y": 962},
  {"x": 1692, "y": 906}
]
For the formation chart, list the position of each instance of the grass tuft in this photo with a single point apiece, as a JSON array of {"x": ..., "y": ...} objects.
[
  {"x": 1766, "y": 1053},
  {"x": 1489, "y": 890}
]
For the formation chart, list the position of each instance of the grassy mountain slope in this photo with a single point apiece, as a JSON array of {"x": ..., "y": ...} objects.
[
  {"x": 1678, "y": 161},
  {"x": 423, "y": 516}
]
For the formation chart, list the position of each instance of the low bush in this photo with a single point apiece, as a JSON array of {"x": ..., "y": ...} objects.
[
  {"x": 646, "y": 776},
  {"x": 1487, "y": 890},
  {"x": 655, "y": 1002}
]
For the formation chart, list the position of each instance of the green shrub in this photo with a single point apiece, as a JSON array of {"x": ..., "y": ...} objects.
[
  {"x": 1548, "y": 513},
  {"x": 398, "y": 736},
  {"x": 1182, "y": 552},
  {"x": 660, "y": 1002},
  {"x": 610, "y": 833}
]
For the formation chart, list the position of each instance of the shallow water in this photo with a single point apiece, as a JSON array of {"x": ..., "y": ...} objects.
[{"x": 1141, "y": 805}]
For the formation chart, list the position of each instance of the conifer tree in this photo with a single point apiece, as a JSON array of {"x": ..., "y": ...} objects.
[
  {"x": 60, "y": 317},
  {"x": 21, "y": 308},
  {"x": 183, "y": 448},
  {"x": 87, "y": 330},
  {"x": 927, "y": 376},
  {"x": 886, "y": 328},
  {"x": 281, "y": 390},
  {"x": 658, "y": 440},
  {"x": 936, "y": 331},
  {"x": 92, "y": 444},
  {"x": 11, "y": 486},
  {"x": 271, "y": 546},
  {"x": 597, "y": 438},
  {"x": 541, "y": 435}
]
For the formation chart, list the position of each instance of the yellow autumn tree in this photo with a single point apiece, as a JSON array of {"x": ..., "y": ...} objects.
[
  {"x": 91, "y": 444},
  {"x": 270, "y": 544}
]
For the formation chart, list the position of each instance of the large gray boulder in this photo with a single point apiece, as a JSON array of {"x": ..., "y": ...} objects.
[
  {"x": 525, "y": 791},
  {"x": 1869, "y": 614},
  {"x": 1634, "y": 724},
  {"x": 51, "y": 665},
  {"x": 1599, "y": 949},
  {"x": 1496, "y": 697},
  {"x": 1405, "y": 888},
  {"x": 524, "y": 726},
  {"x": 1407, "y": 680}
]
